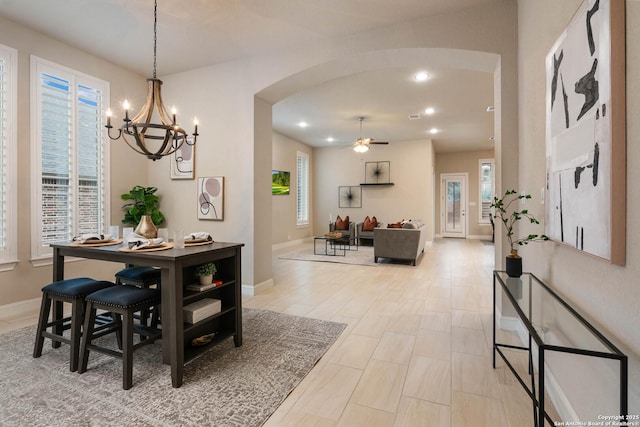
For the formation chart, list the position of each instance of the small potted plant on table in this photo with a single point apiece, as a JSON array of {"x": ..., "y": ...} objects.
[
  {"x": 205, "y": 272},
  {"x": 502, "y": 207}
]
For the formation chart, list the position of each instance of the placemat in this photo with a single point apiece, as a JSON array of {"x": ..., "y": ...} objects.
[
  {"x": 98, "y": 243},
  {"x": 163, "y": 247}
]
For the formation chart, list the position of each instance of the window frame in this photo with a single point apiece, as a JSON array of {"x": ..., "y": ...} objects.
[
  {"x": 9, "y": 251},
  {"x": 302, "y": 189},
  {"x": 39, "y": 252},
  {"x": 492, "y": 161}
]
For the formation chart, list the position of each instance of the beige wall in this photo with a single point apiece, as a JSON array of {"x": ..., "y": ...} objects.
[
  {"x": 478, "y": 38},
  {"x": 411, "y": 196},
  {"x": 606, "y": 294},
  {"x": 283, "y": 228},
  {"x": 232, "y": 102},
  {"x": 25, "y": 281},
  {"x": 464, "y": 162}
]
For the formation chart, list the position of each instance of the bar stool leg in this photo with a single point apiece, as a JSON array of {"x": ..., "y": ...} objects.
[
  {"x": 45, "y": 308},
  {"x": 58, "y": 313},
  {"x": 89, "y": 321},
  {"x": 127, "y": 350},
  {"x": 77, "y": 312}
]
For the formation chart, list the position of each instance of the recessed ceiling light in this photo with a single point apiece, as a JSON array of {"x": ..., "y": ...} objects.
[
  {"x": 429, "y": 111},
  {"x": 303, "y": 124},
  {"x": 433, "y": 131},
  {"x": 330, "y": 139},
  {"x": 422, "y": 76}
]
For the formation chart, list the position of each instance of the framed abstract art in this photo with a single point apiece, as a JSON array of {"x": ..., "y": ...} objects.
[
  {"x": 585, "y": 132},
  {"x": 183, "y": 162},
  {"x": 350, "y": 197},
  {"x": 211, "y": 198}
]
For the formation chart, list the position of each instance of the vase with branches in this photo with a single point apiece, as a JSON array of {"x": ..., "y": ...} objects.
[{"x": 508, "y": 215}]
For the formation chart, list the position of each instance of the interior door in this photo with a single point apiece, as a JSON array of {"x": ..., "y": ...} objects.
[{"x": 454, "y": 205}]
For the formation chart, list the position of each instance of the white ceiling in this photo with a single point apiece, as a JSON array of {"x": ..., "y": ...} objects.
[{"x": 197, "y": 33}]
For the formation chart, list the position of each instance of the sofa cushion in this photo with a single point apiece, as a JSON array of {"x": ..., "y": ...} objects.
[
  {"x": 412, "y": 224},
  {"x": 369, "y": 224},
  {"x": 342, "y": 224}
]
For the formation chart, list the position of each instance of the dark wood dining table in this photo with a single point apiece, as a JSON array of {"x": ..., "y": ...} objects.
[{"x": 172, "y": 263}]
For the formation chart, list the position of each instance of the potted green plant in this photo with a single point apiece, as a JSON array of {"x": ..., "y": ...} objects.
[
  {"x": 509, "y": 216},
  {"x": 205, "y": 272},
  {"x": 142, "y": 210}
]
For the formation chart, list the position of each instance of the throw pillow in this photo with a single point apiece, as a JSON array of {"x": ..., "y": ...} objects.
[
  {"x": 369, "y": 224},
  {"x": 342, "y": 224},
  {"x": 395, "y": 225}
]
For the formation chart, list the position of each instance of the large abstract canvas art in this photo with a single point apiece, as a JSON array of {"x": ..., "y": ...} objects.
[{"x": 585, "y": 201}]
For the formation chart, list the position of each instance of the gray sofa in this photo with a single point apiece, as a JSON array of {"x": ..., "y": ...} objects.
[{"x": 405, "y": 243}]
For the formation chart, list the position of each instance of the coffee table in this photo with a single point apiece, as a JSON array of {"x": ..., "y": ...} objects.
[{"x": 333, "y": 246}]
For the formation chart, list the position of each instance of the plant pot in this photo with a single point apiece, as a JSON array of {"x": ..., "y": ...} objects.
[
  {"x": 146, "y": 228},
  {"x": 514, "y": 264},
  {"x": 206, "y": 280}
]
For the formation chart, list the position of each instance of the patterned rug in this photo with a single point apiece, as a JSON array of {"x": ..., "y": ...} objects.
[{"x": 226, "y": 386}]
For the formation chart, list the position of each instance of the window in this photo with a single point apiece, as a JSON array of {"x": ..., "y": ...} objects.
[
  {"x": 487, "y": 188},
  {"x": 70, "y": 160},
  {"x": 302, "y": 206},
  {"x": 8, "y": 159}
]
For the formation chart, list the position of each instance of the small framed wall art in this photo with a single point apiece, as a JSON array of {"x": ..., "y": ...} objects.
[
  {"x": 377, "y": 172},
  {"x": 211, "y": 198},
  {"x": 183, "y": 161},
  {"x": 350, "y": 197}
]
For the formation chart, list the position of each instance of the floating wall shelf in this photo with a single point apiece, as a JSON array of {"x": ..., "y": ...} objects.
[{"x": 374, "y": 184}]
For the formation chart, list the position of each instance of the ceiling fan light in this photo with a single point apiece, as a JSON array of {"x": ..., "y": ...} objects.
[{"x": 361, "y": 148}]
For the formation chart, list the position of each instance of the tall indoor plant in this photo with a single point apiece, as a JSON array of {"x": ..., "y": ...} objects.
[
  {"x": 509, "y": 216},
  {"x": 142, "y": 210}
]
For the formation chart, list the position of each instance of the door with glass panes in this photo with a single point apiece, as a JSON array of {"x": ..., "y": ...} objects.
[{"x": 454, "y": 205}]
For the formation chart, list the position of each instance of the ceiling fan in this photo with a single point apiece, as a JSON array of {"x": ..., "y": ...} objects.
[{"x": 361, "y": 145}]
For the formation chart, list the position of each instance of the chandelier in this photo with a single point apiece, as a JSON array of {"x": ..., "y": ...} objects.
[{"x": 153, "y": 140}]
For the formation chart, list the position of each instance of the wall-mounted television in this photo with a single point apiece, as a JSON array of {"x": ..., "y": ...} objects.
[{"x": 280, "y": 182}]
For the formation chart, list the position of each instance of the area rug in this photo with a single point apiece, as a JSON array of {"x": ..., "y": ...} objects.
[
  {"x": 362, "y": 256},
  {"x": 226, "y": 386}
]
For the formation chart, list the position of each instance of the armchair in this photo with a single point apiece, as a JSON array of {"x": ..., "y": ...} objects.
[
  {"x": 366, "y": 236},
  {"x": 350, "y": 232}
]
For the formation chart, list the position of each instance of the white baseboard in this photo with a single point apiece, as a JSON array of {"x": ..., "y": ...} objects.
[
  {"x": 469, "y": 236},
  {"x": 290, "y": 243},
  {"x": 20, "y": 309},
  {"x": 478, "y": 237},
  {"x": 258, "y": 288}
]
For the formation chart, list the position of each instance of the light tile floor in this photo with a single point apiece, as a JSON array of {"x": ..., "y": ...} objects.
[{"x": 416, "y": 351}]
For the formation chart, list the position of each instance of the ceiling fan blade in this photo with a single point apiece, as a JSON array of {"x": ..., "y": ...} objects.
[{"x": 379, "y": 142}]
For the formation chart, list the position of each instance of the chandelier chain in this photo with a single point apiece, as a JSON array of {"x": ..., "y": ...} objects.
[{"x": 155, "y": 37}]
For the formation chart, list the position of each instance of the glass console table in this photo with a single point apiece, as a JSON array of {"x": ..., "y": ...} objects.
[{"x": 548, "y": 326}]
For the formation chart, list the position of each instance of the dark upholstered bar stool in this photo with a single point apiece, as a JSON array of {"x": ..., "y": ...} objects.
[
  {"x": 120, "y": 301},
  {"x": 141, "y": 276},
  {"x": 72, "y": 291}
]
